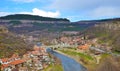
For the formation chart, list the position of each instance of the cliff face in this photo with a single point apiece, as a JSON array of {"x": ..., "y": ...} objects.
[
  {"x": 107, "y": 32},
  {"x": 109, "y": 25},
  {"x": 37, "y": 21},
  {"x": 25, "y": 24},
  {"x": 24, "y": 18}
]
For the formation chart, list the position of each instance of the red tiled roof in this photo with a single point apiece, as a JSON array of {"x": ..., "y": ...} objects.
[
  {"x": 35, "y": 52},
  {"x": 17, "y": 62},
  {"x": 4, "y": 59},
  {"x": 12, "y": 63},
  {"x": 83, "y": 47}
]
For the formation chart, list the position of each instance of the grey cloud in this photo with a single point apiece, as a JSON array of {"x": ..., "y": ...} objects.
[
  {"x": 105, "y": 12},
  {"x": 89, "y": 8},
  {"x": 82, "y": 4},
  {"x": 74, "y": 4}
]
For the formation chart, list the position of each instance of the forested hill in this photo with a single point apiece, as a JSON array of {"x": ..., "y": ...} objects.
[
  {"x": 11, "y": 43},
  {"x": 31, "y": 17}
]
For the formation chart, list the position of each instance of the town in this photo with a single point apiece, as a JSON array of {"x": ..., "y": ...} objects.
[
  {"x": 35, "y": 60},
  {"x": 38, "y": 59}
]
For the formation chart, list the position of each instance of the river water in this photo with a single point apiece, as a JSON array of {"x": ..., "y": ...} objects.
[{"x": 68, "y": 63}]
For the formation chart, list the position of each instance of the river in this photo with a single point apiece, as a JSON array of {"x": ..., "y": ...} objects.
[{"x": 68, "y": 63}]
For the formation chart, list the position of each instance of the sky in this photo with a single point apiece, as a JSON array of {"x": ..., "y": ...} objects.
[{"x": 74, "y": 10}]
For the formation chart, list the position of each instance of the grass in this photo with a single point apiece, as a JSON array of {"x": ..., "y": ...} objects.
[
  {"x": 52, "y": 67},
  {"x": 81, "y": 55},
  {"x": 116, "y": 52},
  {"x": 86, "y": 60},
  {"x": 105, "y": 55}
]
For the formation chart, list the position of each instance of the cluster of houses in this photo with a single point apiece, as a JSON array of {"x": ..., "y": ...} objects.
[
  {"x": 35, "y": 60},
  {"x": 76, "y": 40},
  {"x": 87, "y": 46},
  {"x": 83, "y": 44}
]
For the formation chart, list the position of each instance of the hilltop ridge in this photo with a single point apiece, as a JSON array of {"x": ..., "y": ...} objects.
[{"x": 31, "y": 17}]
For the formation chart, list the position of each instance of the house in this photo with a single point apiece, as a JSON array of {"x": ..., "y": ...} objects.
[
  {"x": 84, "y": 47},
  {"x": 17, "y": 62},
  {"x": 23, "y": 69},
  {"x": 7, "y": 63},
  {"x": 4, "y": 61},
  {"x": 39, "y": 48},
  {"x": 8, "y": 69}
]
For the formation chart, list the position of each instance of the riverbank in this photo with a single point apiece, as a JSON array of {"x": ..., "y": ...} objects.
[
  {"x": 68, "y": 63},
  {"x": 102, "y": 62},
  {"x": 86, "y": 60},
  {"x": 54, "y": 66}
]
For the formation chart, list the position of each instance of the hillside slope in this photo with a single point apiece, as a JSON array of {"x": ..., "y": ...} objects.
[
  {"x": 107, "y": 33},
  {"x": 10, "y": 44}
]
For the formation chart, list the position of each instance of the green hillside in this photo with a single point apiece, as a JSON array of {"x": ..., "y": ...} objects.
[{"x": 31, "y": 17}]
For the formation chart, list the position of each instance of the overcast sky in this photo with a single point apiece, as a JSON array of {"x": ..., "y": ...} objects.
[{"x": 74, "y": 10}]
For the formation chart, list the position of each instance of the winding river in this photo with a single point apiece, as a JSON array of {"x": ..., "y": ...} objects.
[{"x": 68, "y": 63}]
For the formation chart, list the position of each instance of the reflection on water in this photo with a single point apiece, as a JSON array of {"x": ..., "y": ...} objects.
[{"x": 68, "y": 63}]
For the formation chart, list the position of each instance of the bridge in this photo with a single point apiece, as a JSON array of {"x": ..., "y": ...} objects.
[{"x": 60, "y": 46}]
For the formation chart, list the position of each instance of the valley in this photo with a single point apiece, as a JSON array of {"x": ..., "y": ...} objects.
[{"x": 94, "y": 43}]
